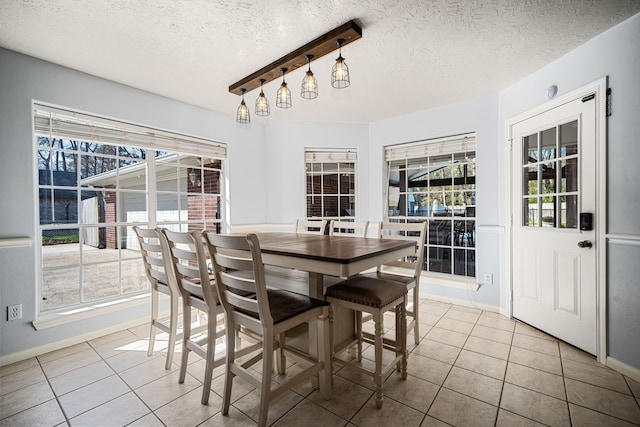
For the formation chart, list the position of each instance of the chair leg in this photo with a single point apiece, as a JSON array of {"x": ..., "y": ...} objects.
[
  {"x": 416, "y": 311},
  {"x": 281, "y": 360},
  {"x": 358, "y": 315},
  {"x": 186, "y": 336},
  {"x": 402, "y": 339},
  {"x": 324, "y": 354},
  {"x": 378, "y": 356},
  {"x": 154, "y": 317},
  {"x": 173, "y": 331},
  {"x": 230, "y": 360},
  {"x": 211, "y": 355},
  {"x": 267, "y": 371}
]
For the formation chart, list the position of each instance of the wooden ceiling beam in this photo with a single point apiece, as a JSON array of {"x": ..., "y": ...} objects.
[{"x": 319, "y": 47}]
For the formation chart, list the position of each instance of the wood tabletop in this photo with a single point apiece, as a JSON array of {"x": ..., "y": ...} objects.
[{"x": 335, "y": 249}]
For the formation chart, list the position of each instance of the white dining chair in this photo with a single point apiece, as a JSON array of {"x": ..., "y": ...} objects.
[
  {"x": 348, "y": 228},
  {"x": 310, "y": 226}
]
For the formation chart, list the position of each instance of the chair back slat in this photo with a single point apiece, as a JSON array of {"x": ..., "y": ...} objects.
[
  {"x": 304, "y": 226},
  {"x": 415, "y": 231},
  {"x": 238, "y": 267},
  {"x": 190, "y": 265},
  {"x": 346, "y": 228},
  {"x": 156, "y": 258}
]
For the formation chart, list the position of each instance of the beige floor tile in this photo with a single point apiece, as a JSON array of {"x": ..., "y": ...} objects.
[
  {"x": 492, "y": 334},
  {"x": 460, "y": 410},
  {"x": 24, "y": 398},
  {"x": 598, "y": 375},
  {"x": 429, "y": 319},
  {"x": 68, "y": 363},
  {"x": 474, "y": 385},
  {"x": 533, "y": 359},
  {"x": 443, "y": 352},
  {"x": 455, "y": 325},
  {"x": 429, "y": 421},
  {"x": 239, "y": 387},
  {"x": 392, "y": 413},
  {"x": 92, "y": 395},
  {"x": 488, "y": 347},
  {"x": 435, "y": 308},
  {"x": 46, "y": 414},
  {"x": 462, "y": 314},
  {"x": 103, "y": 340},
  {"x": 536, "y": 344},
  {"x": 120, "y": 411},
  {"x": 145, "y": 373},
  {"x": 187, "y": 410},
  {"x": 447, "y": 337},
  {"x": 126, "y": 344},
  {"x": 428, "y": 369},
  {"x": 602, "y": 400},
  {"x": 166, "y": 389},
  {"x": 413, "y": 392},
  {"x": 250, "y": 404},
  {"x": 149, "y": 420},
  {"x": 80, "y": 377},
  {"x": 338, "y": 404},
  {"x": 634, "y": 386},
  {"x": 63, "y": 352},
  {"x": 496, "y": 321},
  {"x": 524, "y": 329},
  {"x": 482, "y": 364},
  {"x": 128, "y": 359},
  {"x": 536, "y": 380},
  {"x": 569, "y": 352},
  {"x": 18, "y": 366},
  {"x": 536, "y": 406},
  {"x": 509, "y": 419},
  {"x": 307, "y": 413},
  {"x": 15, "y": 381},
  {"x": 585, "y": 417},
  {"x": 235, "y": 418}
]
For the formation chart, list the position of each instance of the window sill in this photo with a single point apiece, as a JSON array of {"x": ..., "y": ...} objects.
[{"x": 59, "y": 318}]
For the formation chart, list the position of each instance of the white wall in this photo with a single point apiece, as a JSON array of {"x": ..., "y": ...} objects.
[
  {"x": 476, "y": 115},
  {"x": 24, "y": 79},
  {"x": 616, "y": 54},
  {"x": 285, "y": 179}
]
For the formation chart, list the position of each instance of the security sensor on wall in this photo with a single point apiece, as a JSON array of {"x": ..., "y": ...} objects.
[{"x": 552, "y": 91}]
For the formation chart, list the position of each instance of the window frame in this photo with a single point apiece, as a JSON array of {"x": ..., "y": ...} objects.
[
  {"x": 120, "y": 134},
  {"x": 419, "y": 157}
]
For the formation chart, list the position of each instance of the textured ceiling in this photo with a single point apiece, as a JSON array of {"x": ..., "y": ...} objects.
[{"x": 413, "y": 55}]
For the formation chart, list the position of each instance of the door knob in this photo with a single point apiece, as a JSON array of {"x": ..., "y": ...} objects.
[{"x": 585, "y": 244}]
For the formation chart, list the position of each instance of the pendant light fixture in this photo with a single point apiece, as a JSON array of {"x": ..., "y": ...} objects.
[
  {"x": 262, "y": 103},
  {"x": 309, "y": 83},
  {"x": 340, "y": 71},
  {"x": 243, "y": 111},
  {"x": 283, "y": 97}
]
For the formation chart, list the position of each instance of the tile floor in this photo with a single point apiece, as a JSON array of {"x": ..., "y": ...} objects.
[{"x": 471, "y": 368}]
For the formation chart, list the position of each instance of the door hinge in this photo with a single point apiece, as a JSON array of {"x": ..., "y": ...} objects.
[
  {"x": 608, "y": 101},
  {"x": 510, "y": 143}
]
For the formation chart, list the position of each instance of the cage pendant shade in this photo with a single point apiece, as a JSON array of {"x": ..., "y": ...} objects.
[
  {"x": 309, "y": 89},
  {"x": 242, "y": 116},
  {"x": 340, "y": 71},
  {"x": 283, "y": 97},
  {"x": 262, "y": 103}
]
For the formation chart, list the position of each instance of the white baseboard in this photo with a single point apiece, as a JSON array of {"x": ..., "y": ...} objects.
[
  {"x": 623, "y": 368},
  {"x": 462, "y": 302},
  {"x": 37, "y": 351}
]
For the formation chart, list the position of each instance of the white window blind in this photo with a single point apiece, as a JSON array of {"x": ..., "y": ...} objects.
[
  {"x": 51, "y": 121},
  {"x": 327, "y": 156},
  {"x": 430, "y": 147}
]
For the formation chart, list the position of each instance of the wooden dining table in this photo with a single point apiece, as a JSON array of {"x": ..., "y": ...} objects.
[{"x": 335, "y": 256}]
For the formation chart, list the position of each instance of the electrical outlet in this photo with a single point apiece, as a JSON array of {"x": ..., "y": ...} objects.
[
  {"x": 14, "y": 312},
  {"x": 488, "y": 278}
]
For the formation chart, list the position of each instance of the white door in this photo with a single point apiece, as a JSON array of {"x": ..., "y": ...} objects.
[{"x": 554, "y": 257}]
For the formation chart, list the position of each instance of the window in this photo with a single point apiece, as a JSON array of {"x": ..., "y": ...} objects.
[
  {"x": 96, "y": 179},
  {"x": 331, "y": 188},
  {"x": 435, "y": 181}
]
